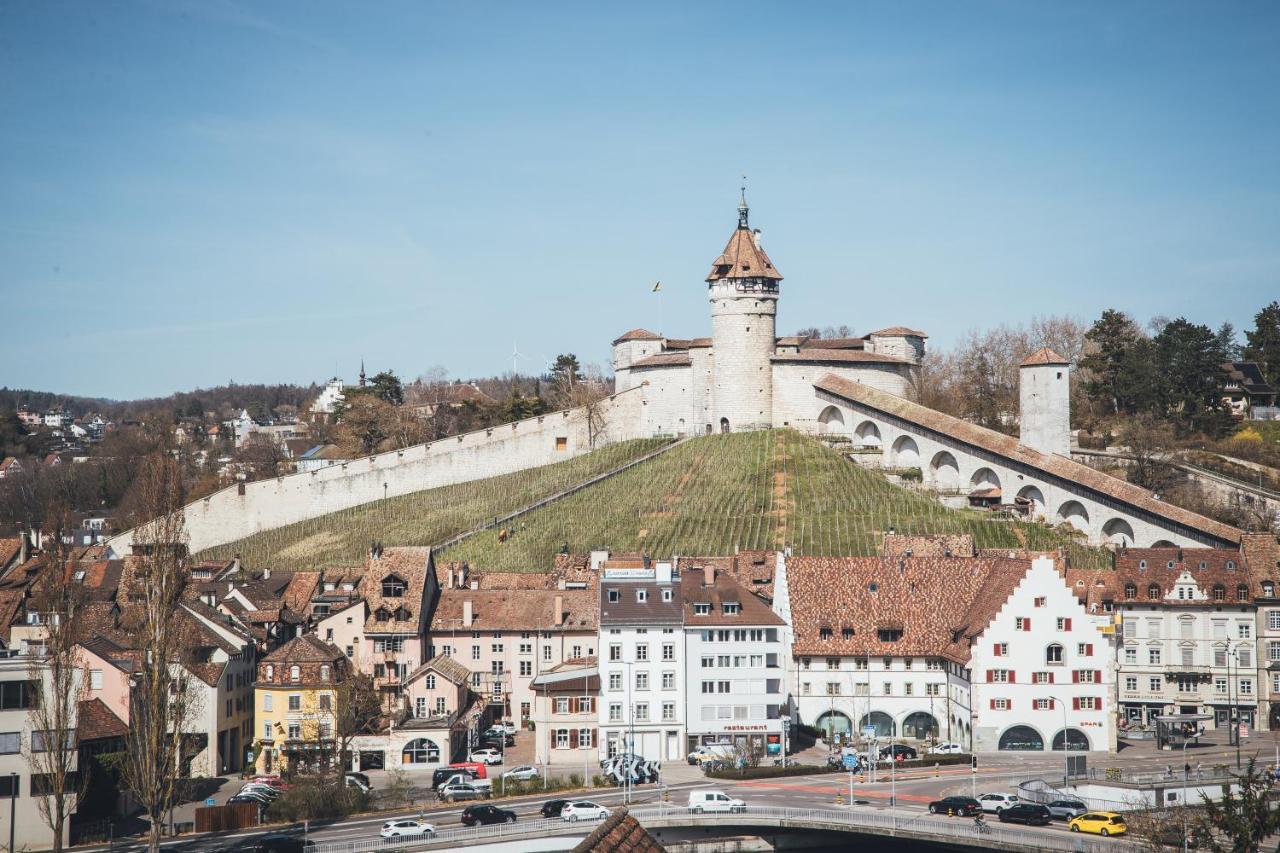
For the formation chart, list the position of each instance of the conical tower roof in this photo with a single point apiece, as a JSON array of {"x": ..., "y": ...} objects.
[{"x": 743, "y": 257}]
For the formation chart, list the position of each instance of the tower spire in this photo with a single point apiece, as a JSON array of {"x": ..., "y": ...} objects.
[{"x": 743, "y": 210}]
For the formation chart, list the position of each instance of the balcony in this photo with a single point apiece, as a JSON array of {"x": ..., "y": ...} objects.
[{"x": 1189, "y": 668}]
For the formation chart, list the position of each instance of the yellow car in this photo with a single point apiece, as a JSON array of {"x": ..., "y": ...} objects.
[{"x": 1100, "y": 823}]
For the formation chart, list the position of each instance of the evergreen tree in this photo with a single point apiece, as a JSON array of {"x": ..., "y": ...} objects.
[
  {"x": 1227, "y": 343},
  {"x": 1112, "y": 362},
  {"x": 1190, "y": 361},
  {"x": 386, "y": 386},
  {"x": 566, "y": 371},
  {"x": 1242, "y": 820},
  {"x": 1264, "y": 343}
]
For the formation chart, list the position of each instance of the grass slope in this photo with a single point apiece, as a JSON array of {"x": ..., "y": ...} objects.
[
  {"x": 422, "y": 518},
  {"x": 749, "y": 490}
]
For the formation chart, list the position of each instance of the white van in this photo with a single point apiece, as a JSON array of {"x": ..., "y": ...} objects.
[{"x": 714, "y": 801}]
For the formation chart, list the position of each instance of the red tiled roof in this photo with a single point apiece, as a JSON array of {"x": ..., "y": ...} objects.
[
  {"x": 743, "y": 257},
  {"x": 1044, "y": 355},
  {"x": 637, "y": 335},
  {"x": 665, "y": 359},
  {"x": 1059, "y": 467},
  {"x": 619, "y": 833},
  {"x": 95, "y": 721},
  {"x": 815, "y": 355}
]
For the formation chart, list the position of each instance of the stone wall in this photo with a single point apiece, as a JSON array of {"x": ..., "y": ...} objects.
[
  {"x": 793, "y": 387},
  {"x": 243, "y": 510},
  {"x": 667, "y": 392},
  {"x": 742, "y": 333}
]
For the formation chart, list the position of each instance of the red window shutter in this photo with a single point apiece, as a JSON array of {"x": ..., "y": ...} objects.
[
  {"x": 991, "y": 675},
  {"x": 1051, "y": 703},
  {"x": 573, "y": 738},
  {"x": 996, "y": 650},
  {"x": 1013, "y": 677},
  {"x": 1075, "y": 676},
  {"x": 573, "y": 704},
  {"x": 1066, "y": 624},
  {"x": 1026, "y": 624},
  {"x": 993, "y": 704},
  {"x": 1097, "y": 676},
  {"x": 1053, "y": 677},
  {"x": 1088, "y": 649},
  {"x": 1075, "y": 703}
]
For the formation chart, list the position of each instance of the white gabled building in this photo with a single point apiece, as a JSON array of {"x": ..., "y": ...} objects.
[
  {"x": 642, "y": 660},
  {"x": 1043, "y": 670},
  {"x": 735, "y": 678}
]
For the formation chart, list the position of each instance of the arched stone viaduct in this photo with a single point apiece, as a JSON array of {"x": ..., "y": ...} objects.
[{"x": 957, "y": 457}]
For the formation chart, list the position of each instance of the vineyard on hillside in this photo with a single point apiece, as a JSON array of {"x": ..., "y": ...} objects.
[
  {"x": 422, "y": 518},
  {"x": 754, "y": 490}
]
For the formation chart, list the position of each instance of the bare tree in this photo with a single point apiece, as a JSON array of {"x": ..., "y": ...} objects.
[
  {"x": 588, "y": 392},
  {"x": 52, "y": 750},
  {"x": 161, "y": 700}
]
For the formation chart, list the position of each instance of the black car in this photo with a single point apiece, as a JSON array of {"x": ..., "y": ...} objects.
[
  {"x": 963, "y": 806},
  {"x": 473, "y": 815},
  {"x": 1032, "y": 814},
  {"x": 898, "y": 750},
  {"x": 277, "y": 843},
  {"x": 552, "y": 808}
]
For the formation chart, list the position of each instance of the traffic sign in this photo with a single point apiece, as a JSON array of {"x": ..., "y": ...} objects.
[
  {"x": 869, "y": 732},
  {"x": 210, "y": 802},
  {"x": 851, "y": 761}
]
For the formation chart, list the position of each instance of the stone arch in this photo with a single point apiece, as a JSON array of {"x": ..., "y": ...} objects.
[
  {"x": 724, "y": 424},
  {"x": 1074, "y": 513},
  {"x": 1163, "y": 543},
  {"x": 831, "y": 421},
  {"x": 1118, "y": 532},
  {"x": 1034, "y": 497},
  {"x": 1021, "y": 739},
  {"x": 984, "y": 478},
  {"x": 883, "y": 723},
  {"x": 920, "y": 725},
  {"x": 868, "y": 434},
  {"x": 944, "y": 471},
  {"x": 906, "y": 453},
  {"x": 834, "y": 723},
  {"x": 1076, "y": 740}
]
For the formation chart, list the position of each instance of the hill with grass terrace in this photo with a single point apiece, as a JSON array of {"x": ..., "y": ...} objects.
[{"x": 707, "y": 495}]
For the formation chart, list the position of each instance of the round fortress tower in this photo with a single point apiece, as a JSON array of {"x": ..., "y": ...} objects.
[{"x": 743, "y": 289}]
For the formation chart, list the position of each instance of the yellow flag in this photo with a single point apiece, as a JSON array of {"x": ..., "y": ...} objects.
[{"x": 657, "y": 285}]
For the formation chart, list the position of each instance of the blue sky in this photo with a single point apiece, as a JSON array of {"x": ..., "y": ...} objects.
[{"x": 194, "y": 192}]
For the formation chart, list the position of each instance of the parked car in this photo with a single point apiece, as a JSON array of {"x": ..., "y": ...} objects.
[
  {"x": 1100, "y": 823},
  {"x": 963, "y": 806},
  {"x": 406, "y": 828},
  {"x": 460, "y": 791},
  {"x": 273, "y": 781},
  {"x": 1067, "y": 809},
  {"x": 552, "y": 808},
  {"x": 486, "y": 756},
  {"x": 499, "y": 733},
  {"x": 898, "y": 750},
  {"x": 260, "y": 802},
  {"x": 1032, "y": 814},
  {"x": 522, "y": 773},
  {"x": 277, "y": 842},
  {"x": 946, "y": 749},
  {"x": 497, "y": 741},
  {"x": 583, "y": 810},
  {"x": 258, "y": 788},
  {"x": 473, "y": 815},
  {"x": 996, "y": 802},
  {"x": 444, "y": 774},
  {"x": 484, "y": 786},
  {"x": 506, "y": 725},
  {"x": 714, "y": 801}
]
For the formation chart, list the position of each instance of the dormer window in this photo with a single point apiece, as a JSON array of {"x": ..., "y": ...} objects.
[
  {"x": 642, "y": 595},
  {"x": 1268, "y": 589},
  {"x": 393, "y": 587},
  {"x": 824, "y": 633},
  {"x": 889, "y": 635},
  {"x": 701, "y": 608},
  {"x": 613, "y": 596},
  {"x": 329, "y": 587},
  {"x": 1231, "y": 564},
  {"x": 731, "y": 608},
  {"x": 666, "y": 595},
  {"x": 1169, "y": 565},
  {"x": 1142, "y": 564},
  {"x": 324, "y": 672},
  {"x": 1242, "y": 593},
  {"x": 271, "y": 672},
  {"x": 295, "y": 673},
  {"x": 1203, "y": 564},
  {"x": 381, "y": 614},
  {"x": 846, "y": 633},
  {"x": 1130, "y": 592},
  {"x": 1153, "y": 592},
  {"x": 1219, "y": 592}
]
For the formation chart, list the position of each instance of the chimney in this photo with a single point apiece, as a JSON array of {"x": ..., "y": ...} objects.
[
  {"x": 559, "y": 614},
  {"x": 23, "y": 548},
  {"x": 466, "y": 613},
  {"x": 448, "y": 577},
  {"x": 266, "y": 574},
  {"x": 708, "y": 576},
  {"x": 475, "y": 584}
]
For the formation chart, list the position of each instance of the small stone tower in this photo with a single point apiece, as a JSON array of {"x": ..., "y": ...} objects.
[
  {"x": 1045, "y": 402},
  {"x": 743, "y": 289}
]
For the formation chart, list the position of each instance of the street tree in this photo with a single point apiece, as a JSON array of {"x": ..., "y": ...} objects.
[{"x": 1242, "y": 819}]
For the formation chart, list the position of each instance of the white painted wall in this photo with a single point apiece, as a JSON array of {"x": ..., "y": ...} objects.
[{"x": 1045, "y": 407}]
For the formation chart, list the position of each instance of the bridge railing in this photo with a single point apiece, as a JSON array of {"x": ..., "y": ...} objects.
[{"x": 666, "y": 816}]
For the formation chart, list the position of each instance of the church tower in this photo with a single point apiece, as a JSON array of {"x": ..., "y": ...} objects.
[{"x": 743, "y": 289}]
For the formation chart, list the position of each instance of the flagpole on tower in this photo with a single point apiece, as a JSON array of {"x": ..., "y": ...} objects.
[{"x": 657, "y": 288}]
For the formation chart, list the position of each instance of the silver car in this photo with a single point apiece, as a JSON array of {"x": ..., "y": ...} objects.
[{"x": 1066, "y": 809}]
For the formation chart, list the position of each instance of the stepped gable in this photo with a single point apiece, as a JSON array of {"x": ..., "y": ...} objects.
[
  {"x": 619, "y": 833},
  {"x": 927, "y": 545},
  {"x": 938, "y": 604},
  {"x": 1059, "y": 467},
  {"x": 1044, "y": 355},
  {"x": 743, "y": 257},
  {"x": 637, "y": 335}
]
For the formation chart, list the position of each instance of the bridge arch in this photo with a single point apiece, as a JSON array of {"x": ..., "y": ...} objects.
[
  {"x": 831, "y": 421},
  {"x": 906, "y": 453},
  {"x": 1118, "y": 531},
  {"x": 883, "y": 723},
  {"x": 920, "y": 725},
  {"x": 1035, "y": 497},
  {"x": 944, "y": 471},
  {"x": 1074, "y": 514},
  {"x": 1076, "y": 740},
  {"x": 868, "y": 434},
  {"x": 1021, "y": 739},
  {"x": 834, "y": 723}
]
